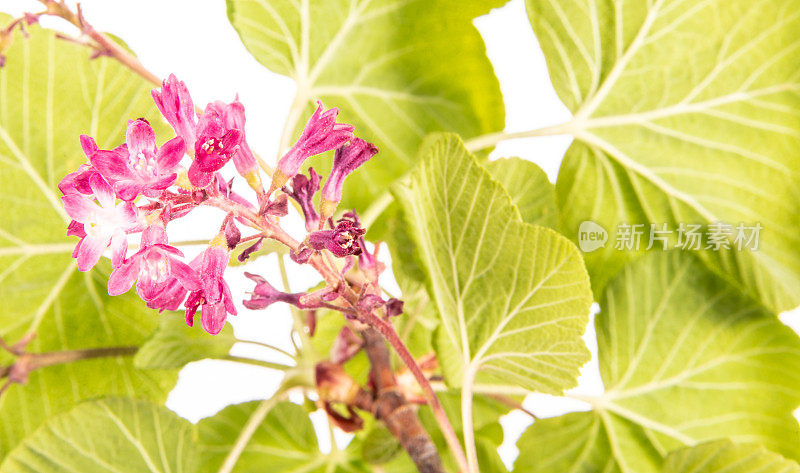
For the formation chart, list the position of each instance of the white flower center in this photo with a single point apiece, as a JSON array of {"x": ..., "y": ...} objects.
[{"x": 142, "y": 163}]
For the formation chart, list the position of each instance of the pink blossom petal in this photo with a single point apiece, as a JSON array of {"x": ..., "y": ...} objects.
[
  {"x": 103, "y": 191},
  {"x": 79, "y": 207},
  {"x": 111, "y": 164},
  {"x": 213, "y": 318},
  {"x": 90, "y": 250},
  {"x": 88, "y": 145},
  {"x": 170, "y": 154},
  {"x": 119, "y": 248},
  {"x": 185, "y": 275},
  {"x": 128, "y": 190},
  {"x": 140, "y": 138},
  {"x": 199, "y": 178},
  {"x": 153, "y": 235},
  {"x": 122, "y": 278}
]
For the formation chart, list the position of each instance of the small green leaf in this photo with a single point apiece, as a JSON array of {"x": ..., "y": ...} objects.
[
  {"x": 284, "y": 442},
  {"x": 723, "y": 456},
  {"x": 108, "y": 435},
  {"x": 513, "y": 298},
  {"x": 174, "y": 344},
  {"x": 684, "y": 112},
  {"x": 530, "y": 190},
  {"x": 685, "y": 358},
  {"x": 379, "y": 445},
  {"x": 395, "y": 84},
  {"x": 50, "y": 93}
]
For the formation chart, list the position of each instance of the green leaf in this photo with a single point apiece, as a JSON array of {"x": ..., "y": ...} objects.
[
  {"x": 379, "y": 445},
  {"x": 174, "y": 344},
  {"x": 513, "y": 298},
  {"x": 723, "y": 456},
  {"x": 685, "y": 358},
  {"x": 395, "y": 84},
  {"x": 684, "y": 112},
  {"x": 108, "y": 435},
  {"x": 285, "y": 442},
  {"x": 529, "y": 188},
  {"x": 50, "y": 93}
]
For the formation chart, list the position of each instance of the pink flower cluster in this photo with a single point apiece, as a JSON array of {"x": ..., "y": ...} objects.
[{"x": 139, "y": 187}]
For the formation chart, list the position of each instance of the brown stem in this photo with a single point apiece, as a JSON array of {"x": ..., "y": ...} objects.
[
  {"x": 26, "y": 363},
  {"x": 388, "y": 332},
  {"x": 391, "y": 407},
  {"x": 104, "y": 43}
]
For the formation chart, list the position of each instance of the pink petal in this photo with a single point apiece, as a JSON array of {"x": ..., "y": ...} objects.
[
  {"x": 185, "y": 275},
  {"x": 140, "y": 137},
  {"x": 128, "y": 190},
  {"x": 213, "y": 318},
  {"x": 103, "y": 191},
  {"x": 119, "y": 248},
  {"x": 153, "y": 235},
  {"x": 88, "y": 145},
  {"x": 197, "y": 177},
  {"x": 170, "y": 154},
  {"x": 79, "y": 207},
  {"x": 122, "y": 278},
  {"x": 90, "y": 250},
  {"x": 111, "y": 164}
]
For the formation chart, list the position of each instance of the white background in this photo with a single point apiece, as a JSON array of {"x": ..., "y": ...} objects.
[{"x": 193, "y": 40}]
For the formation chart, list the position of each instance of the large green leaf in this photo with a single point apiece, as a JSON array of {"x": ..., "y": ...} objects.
[
  {"x": 513, "y": 298},
  {"x": 529, "y": 188},
  {"x": 284, "y": 442},
  {"x": 50, "y": 92},
  {"x": 724, "y": 457},
  {"x": 685, "y": 358},
  {"x": 174, "y": 344},
  {"x": 108, "y": 435},
  {"x": 684, "y": 112},
  {"x": 397, "y": 70}
]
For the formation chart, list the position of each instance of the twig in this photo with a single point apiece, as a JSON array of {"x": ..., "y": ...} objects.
[
  {"x": 256, "y": 418},
  {"x": 388, "y": 332}
]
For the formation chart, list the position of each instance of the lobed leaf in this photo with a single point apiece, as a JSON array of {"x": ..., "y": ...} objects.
[
  {"x": 174, "y": 344},
  {"x": 50, "y": 93},
  {"x": 723, "y": 456},
  {"x": 513, "y": 298},
  {"x": 685, "y": 358},
  {"x": 108, "y": 435},
  {"x": 684, "y": 112},
  {"x": 396, "y": 69}
]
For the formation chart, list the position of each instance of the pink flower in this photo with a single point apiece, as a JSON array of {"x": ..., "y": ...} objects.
[
  {"x": 175, "y": 104},
  {"x": 342, "y": 240},
  {"x": 78, "y": 181},
  {"x": 104, "y": 223},
  {"x": 232, "y": 116},
  {"x": 265, "y": 295},
  {"x": 139, "y": 168},
  {"x": 320, "y": 134},
  {"x": 153, "y": 268},
  {"x": 214, "y": 296},
  {"x": 170, "y": 297},
  {"x": 303, "y": 191},
  {"x": 346, "y": 159},
  {"x": 215, "y": 146}
]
